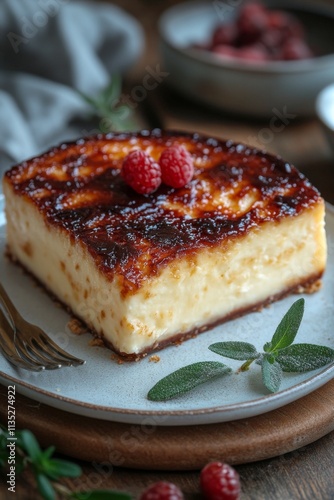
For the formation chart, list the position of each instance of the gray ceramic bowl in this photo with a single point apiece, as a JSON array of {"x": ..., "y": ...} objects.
[
  {"x": 242, "y": 87},
  {"x": 325, "y": 111}
]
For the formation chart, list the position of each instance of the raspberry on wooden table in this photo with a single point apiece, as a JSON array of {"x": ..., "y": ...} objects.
[
  {"x": 162, "y": 491},
  {"x": 177, "y": 166},
  {"x": 220, "y": 481},
  {"x": 141, "y": 172}
]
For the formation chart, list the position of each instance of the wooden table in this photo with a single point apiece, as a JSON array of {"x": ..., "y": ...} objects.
[{"x": 306, "y": 473}]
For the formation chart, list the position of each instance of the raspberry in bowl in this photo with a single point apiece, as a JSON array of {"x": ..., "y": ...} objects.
[{"x": 250, "y": 58}]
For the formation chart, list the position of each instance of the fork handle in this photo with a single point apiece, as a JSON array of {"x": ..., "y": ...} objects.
[{"x": 9, "y": 306}]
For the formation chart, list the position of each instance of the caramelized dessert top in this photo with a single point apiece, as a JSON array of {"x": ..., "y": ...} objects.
[{"x": 78, "y": 187}]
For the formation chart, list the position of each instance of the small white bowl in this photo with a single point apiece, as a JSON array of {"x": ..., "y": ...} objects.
[
  {"x": 325, "y": 111},
  {"x": 240, "y": 87}
]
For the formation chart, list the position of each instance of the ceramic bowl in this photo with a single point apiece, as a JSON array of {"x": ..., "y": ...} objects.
[
  {"x": 242, "y": 87},
  {"x": 325, "y": 111}
]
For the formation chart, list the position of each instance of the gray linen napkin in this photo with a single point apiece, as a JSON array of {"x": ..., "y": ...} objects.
[{"x": 51, "y": 49}]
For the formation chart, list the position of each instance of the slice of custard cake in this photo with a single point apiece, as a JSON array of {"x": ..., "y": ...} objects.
[{"x": 145, "y": 270}]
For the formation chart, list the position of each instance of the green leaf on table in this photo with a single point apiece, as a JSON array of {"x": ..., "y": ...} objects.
[
  {"x": 48, "y": 452},
  {"x": 56, "y": 468},
  {"x": 235, "y": 350},
  {"x": 45, "y": 487},
  {"x": 30, "y": 445},
  {"x": 271, "y": 374},
  {"x": 101, "y": 495},
  {"x": 288, "y": 327},
  {"x": 304, "y": 357},
  {"x": 185, "y": 379},
  {"x": 19, "y": 440}
]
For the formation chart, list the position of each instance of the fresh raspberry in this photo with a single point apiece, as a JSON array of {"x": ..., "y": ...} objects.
[
  {"x": 141, "y": 172},
  {"x": 220, "y": 481},
  {"x": 286, "y": 23},
  {"x": 177, "y": 166},
  {"x": 224, "y": 34},
  {"x": 281, "y": 28},
  {"x": 225, "y": 51},
  {"x": 252, "y": 22},
  {"x": 162, "y": 491},
  {"x": 295, "y": 49},
  {"x": 252, "y": 53}
]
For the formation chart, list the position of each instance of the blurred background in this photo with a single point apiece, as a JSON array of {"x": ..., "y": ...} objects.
[{"x": 73, "y": 68}]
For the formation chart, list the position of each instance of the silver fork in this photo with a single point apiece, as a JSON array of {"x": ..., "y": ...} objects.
[{"x": 26, "y": 345}]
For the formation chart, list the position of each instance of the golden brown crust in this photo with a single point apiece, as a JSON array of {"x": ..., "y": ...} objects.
[{"x": 78, "y": 187}]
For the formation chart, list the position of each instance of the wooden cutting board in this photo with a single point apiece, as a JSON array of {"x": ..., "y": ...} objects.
[{"x": 178, "y": 448}]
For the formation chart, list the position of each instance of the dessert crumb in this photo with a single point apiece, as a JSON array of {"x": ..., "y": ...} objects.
[
  {"x": 96, "y": 342},
  {"x": 76, "y": 326},
  {"x": 314, "y": 287},
  {"x": 116, "y": 358},
  {"x": 154, "y": 359}
]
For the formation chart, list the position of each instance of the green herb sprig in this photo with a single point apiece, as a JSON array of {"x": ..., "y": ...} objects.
[
  {"x": 115, "y": 116},
  {"x": 47, "y": 469},
  {"x": 280, "y": 355}
]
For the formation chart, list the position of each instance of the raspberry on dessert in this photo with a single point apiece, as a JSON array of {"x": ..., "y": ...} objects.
[
  {"x": 141, "y": 172},
  {"x": 220, "y": 481},
  {"x": 162, "y": 491},
  {"x": 177, "y": 166}
]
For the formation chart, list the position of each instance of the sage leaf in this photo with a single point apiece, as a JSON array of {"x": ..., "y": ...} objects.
[
  {"x": 57, "y": 468},
  {"x": 45, "y": 487},
  {"x": 288, "y": 327},
  {"x": 186, "y": 378},
  {"x": 271, "y": 374},
  {"x": 112, "y": 91},
  {"x": 235, "y": 350},
  {"x": 89, "y": 100},
  {"x": 101, "y": 495},
  {"x": 304, "y": 357},
  {"x": 31, "y": 445},
  {"x": 107, "y": 106},
  {"x": 48, "y": 452},
  {"x": 267, "y": 347}
]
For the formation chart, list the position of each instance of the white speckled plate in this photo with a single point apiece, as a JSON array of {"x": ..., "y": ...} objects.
[{"x": 106, "y": 390}]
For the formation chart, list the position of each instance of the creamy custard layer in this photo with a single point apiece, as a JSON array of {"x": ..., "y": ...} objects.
[{"x": 191, "y": 292}]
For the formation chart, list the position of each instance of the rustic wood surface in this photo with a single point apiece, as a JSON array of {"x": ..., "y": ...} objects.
[
  {"x": 148, "y": 447},
  {"x": 306, "y": 473}
]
